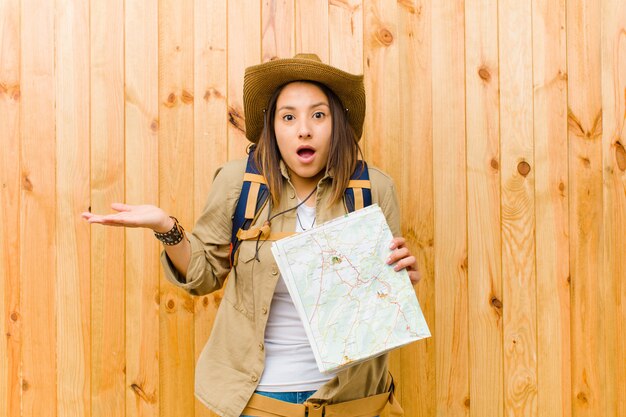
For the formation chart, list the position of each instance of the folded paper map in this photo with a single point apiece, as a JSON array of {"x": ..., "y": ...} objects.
[{"x": 352, "y": 304}]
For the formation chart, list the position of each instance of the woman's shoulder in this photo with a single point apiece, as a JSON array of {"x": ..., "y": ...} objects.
[
  {"x": 379, "y": 178},
  {"x": 231, "y": 171}
]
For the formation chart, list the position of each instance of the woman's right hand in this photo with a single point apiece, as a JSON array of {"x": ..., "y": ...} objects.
[{"x": 127, "y": 215}]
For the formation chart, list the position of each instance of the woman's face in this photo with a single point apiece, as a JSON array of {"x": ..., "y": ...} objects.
[{"x": 303, "y": 127}]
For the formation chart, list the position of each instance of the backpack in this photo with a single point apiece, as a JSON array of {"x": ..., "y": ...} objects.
[{"x": 255, "y": 193}]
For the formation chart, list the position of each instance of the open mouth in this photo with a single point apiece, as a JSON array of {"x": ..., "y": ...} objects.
[{"x": 305, "y": 153}]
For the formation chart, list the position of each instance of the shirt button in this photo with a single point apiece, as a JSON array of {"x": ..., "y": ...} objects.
[
  {"x": 261, "y": 347},
  {"x": 264, "y": 310},
  {"x": 254, "y": 378},
  {"x": 274, "y": 271},
  {"x": 292, "y": 194}
]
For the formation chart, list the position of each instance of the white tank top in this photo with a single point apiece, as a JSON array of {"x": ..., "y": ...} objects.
[{"x": 289, "y": 361}]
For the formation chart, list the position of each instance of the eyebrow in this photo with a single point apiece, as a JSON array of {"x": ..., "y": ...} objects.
[{"x": 321, "y": 103}]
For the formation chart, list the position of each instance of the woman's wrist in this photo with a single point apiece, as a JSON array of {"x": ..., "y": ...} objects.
[
  {"x": 165, "y": 225},
  {"x": 173, "y": 236}
]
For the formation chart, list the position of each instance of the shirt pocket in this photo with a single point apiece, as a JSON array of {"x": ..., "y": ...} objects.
[{"x": 240, "y": 287}]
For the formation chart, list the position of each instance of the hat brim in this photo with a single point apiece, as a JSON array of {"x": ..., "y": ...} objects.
[{"x": 260, "y": 82}]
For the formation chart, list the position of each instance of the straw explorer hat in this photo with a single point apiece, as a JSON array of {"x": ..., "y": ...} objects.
[{"x": 260, "y": 82}]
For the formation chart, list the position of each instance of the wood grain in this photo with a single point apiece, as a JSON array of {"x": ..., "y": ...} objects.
[
  {"x": 551, "y": 199},
  {"x": 312, "y": 28},
  {"x": 585, "y": 208},
  {"x": 450, "y": 206},
  {"x": 278, "y": 29},
  {"x": 614, "y": 201},
  {"x": 381, "y": 130},
  {"x": 142, "y": 187},
  {"x": 518, "y": 209},
  {"x": 244, "y": 50},
  {"x": 345, "y": 26},
  {"x": 10, "y": 324},
  {"x": 37, "y": 255},
  {"x": 417, "y": 377},
  {"x": 210, "y": 134},
  {"x": 176, "y": 173},
  {"x": 107, "y": 186},
  {"x": 73, "y": 301},
  {"x": 482, "y": 80}
]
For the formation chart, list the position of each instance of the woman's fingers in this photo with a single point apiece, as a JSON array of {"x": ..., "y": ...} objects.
[
  {"x": 128, "y": 215},
  {"x": 402, "y": 258},
  {"x": 397, "y": 242},
  {"x": 121, "y": 207}
]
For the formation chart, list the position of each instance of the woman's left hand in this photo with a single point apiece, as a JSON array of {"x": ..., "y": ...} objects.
[{"x": 403, "y": 259}]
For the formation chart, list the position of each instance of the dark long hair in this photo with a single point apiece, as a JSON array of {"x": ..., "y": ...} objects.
[{"x": 342, "y": 157}]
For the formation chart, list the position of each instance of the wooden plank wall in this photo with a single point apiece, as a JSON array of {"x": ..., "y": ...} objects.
[{"x": 501, "y": 122}]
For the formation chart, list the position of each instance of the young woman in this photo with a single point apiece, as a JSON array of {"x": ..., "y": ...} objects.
[{"x": 305, "y": 119}]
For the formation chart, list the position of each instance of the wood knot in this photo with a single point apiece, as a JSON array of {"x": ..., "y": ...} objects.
[
  {"x": 212, "y": 92},
  {"x": 582, "y": 397},
  {"x": 523, "y": 168},
  {"x": 171, "y": 100},
  {"x": 15, "y": 94},
  {"x": 25, "y": 385},
  {"x": 26, "y": 184},
  {"x": 205, "y": 301},
  {"x": 170, "y": 305},
  {"x": 495, "y": 164},
  {"x": 384, "y": 36},
  {"x": 620, "y": 156},
  {"x": 496, "y": 303},
  {"x": 14, "y": 316},
  {"x": 142, "y": 394},
  {"x": 186, "y": 97},
  {"x": 236, "y": 119},
  {"x": 154, "y": 126},
  {"x": 217, "y": 298},
  {"x": 467, "y": 402},
  {"x": 484, "y": 74},
  {"x": 465, "y": 264}
]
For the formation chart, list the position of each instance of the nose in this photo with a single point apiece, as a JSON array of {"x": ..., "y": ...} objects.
[{"x": 304, "y": 131}]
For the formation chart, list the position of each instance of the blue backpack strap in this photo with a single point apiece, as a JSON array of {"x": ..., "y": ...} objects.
[
  {"x": 254, "y": 194},
  {"x": 359, "y": 191}
]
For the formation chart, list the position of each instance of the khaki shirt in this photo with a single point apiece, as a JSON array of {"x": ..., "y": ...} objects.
[{"x": 231, "y": 363}]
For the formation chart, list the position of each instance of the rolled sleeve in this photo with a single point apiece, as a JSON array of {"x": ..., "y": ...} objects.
[{"x": 210, "y": 239}]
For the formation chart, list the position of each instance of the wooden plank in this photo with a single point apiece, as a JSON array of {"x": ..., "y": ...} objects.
[
  {"x": 614, "y": 169},
  {"x": 107, "y": 186},
  {"x": 210, "y": 137},
  {"x": 142, "y": 187},
  {"x": 176, "y": 110},
  {"x": 37, "y": 267},
  {"x": 450, "y": 201},
  {"x": 277, "y": 31},
  {"x": 518, "y": 208},
  {"x": 585, "y": 208},
  {"x": 382, "y": 120},
  {"x": 312, "y": 28},
  {"x": 483, "y": 211},
  {"x": 10, "y": 325},
  {"x": 345, "y": 24},
  {"x": 381, "y": 131},
  {"x": 73, "y": 307},
  {"x": 244, "y": 50},
  {"x": 417, "y": 377},
  {"x": 551, "y": 199}
]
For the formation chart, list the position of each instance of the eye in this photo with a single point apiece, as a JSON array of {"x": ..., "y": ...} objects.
[
  {"x": 288, "y": 117},
  {"x": 319, "y": 115}
]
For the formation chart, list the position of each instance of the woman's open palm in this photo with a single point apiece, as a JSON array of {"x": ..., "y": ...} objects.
[{"x": 127, "y": 215}]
